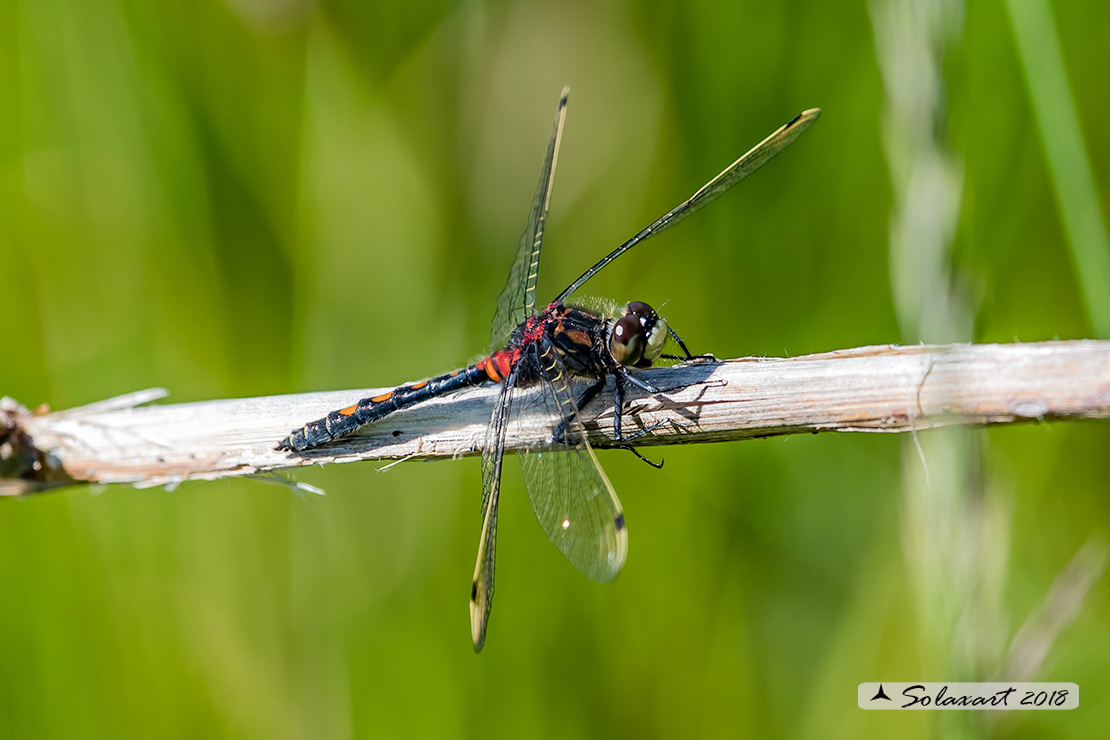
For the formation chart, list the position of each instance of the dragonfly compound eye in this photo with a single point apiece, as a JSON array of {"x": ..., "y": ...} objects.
[
  {"x": 628, "y": 340},
  {"x": 651, "y": 334},
  {"x": 641, "y": 309}
]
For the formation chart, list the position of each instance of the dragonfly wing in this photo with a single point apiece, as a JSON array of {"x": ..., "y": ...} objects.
[
  {"x": 518, "y": 299},
  {"x": 758, "y": 156},
  {"x": 570, "y": 493},
  {"x": 493, "y": 455}
]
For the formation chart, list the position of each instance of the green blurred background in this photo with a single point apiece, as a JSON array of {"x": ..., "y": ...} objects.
[{"x": 254, "y": 197}]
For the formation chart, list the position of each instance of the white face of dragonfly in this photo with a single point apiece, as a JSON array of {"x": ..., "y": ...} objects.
[{"x": 636, "y": 339}]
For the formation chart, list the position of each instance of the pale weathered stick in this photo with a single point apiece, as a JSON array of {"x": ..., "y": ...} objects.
[{"x": 868, "y": 389}]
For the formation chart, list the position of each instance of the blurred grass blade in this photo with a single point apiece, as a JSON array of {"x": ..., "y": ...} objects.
[{"x": 1053, "y": 106}]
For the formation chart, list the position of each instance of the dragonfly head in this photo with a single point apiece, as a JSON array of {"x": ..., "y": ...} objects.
[{"x": 637, "y": 337}]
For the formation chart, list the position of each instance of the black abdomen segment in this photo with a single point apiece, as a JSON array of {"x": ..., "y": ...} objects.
[{"x": 345, "y": 421}]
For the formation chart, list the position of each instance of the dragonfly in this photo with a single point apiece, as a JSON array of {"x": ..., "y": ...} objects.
[{"x": 548, "y": 347}]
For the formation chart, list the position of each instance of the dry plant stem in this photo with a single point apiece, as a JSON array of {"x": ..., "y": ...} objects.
[{"x": 868, "y": 389}]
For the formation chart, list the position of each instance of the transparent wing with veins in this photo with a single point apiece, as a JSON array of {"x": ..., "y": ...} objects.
[
  {"x": 518, "y": 299},
  {"x": 493, "y": 456},
  {"x": 570, "y": 493}
]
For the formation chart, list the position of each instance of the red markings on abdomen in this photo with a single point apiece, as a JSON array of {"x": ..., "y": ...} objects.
[{"x": 498, "y": 365}]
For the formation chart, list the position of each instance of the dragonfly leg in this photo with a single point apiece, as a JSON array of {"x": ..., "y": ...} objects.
[
  {"x": 618, "y": 411},
  {"x": 708, "y": 357},
  {"x": 653, "y": 427},
  {"x": 679, "y": 342},
  {"x": 587, "y": 396},
  {"x": 618, "y": 407},
  {"x": 624, "y": 373},
  {"x": 634, "y": 451},
  {"x": 686, "y": 352}
]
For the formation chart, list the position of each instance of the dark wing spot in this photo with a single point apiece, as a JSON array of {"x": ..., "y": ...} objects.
[
  {"x": 619, "y": 521},
  {"x": 396, "y": 432},
  {"x": 474, "y": 592}
]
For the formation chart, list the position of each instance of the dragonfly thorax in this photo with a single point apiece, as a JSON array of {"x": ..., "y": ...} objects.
[{"x": 636, "y": 338}]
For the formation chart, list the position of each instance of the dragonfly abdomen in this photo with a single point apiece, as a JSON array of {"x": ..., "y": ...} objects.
[{"x": 344, "y": 421}]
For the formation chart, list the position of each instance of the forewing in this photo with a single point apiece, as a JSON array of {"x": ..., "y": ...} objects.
[
  {"x": 573, "y": 499},
  {"x": 493, "y": 455},
  {"x": 759, "y": 155},
  {"x": 518, "y": 299}
]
